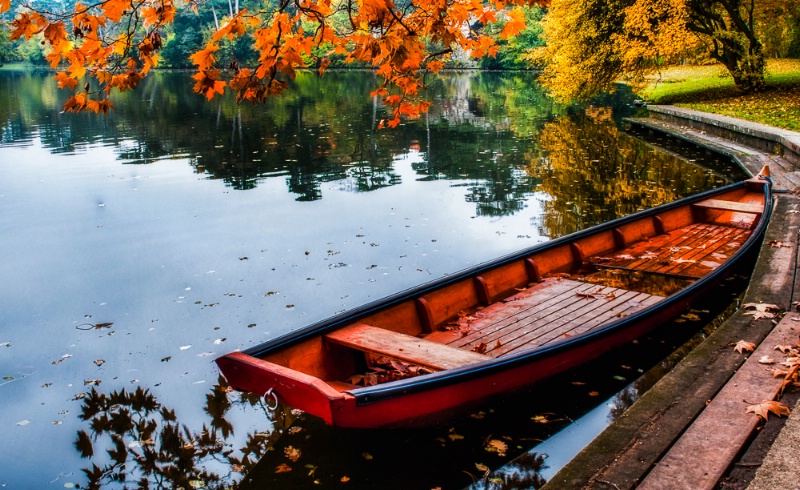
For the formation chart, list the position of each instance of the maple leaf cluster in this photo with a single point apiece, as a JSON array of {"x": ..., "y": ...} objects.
[{"x": 116, "y": 43}]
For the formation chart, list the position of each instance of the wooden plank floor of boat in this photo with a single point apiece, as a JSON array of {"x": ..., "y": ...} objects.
[
  {"x": 692, "y": 251},
  {"x": 562, "y": 307},
  {"x": 551, "y": 310}
]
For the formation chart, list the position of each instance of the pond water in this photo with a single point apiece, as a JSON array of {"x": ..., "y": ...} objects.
[{"x": 141, "y": 245}]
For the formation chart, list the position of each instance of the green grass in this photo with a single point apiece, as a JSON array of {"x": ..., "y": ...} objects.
[{"x": 711, "y": 89}]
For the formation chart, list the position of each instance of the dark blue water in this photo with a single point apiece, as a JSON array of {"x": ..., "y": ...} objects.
[{"x": 139, "y": 246}]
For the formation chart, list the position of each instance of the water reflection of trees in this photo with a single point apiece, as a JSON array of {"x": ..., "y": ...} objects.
[
  {"x": 145, "y": 444},
  {"x": 499, "y": 134},
  {"x": 593, "y": 173}
]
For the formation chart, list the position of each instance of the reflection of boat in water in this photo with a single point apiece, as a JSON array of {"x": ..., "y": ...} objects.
[{"x": 508, "y": 323}]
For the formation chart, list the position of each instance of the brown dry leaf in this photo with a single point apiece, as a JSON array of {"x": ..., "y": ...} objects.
[
  {"x": 758, "y": 315},
  {"x": 540, "y": 419},
  {"x": 292, "y": 453},
  {"x": 777, "y": 243},
  {"x": 344, "y": 479},
  {"x": 784, "y": 348},
  {"x": 761, "y": 306},
  {"x": 766, "y": 360},
  {"x": 283, "y": 468},
  {"x": 481, "y": 467},
  {"x": 744, "y": 345},
  {"x": 366, "y": 456},
  {"x": 480, "y": 348},
  {"x": 762, "y": 409},
  {"x": 594, "y": 393}
]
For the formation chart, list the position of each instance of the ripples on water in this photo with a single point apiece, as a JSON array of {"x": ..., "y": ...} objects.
[{"x": 141, "y": 245}]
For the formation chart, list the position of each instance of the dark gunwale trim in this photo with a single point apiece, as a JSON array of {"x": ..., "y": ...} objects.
[{"x": 490, "y": 366}]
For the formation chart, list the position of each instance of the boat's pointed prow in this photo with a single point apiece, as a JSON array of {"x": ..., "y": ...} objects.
[{"x": 764, "y": 171}]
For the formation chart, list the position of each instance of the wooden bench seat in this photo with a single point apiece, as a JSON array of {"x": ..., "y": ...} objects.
[
  {"x": 404, "y": 347},
  {"x": 735, "y": 206}
]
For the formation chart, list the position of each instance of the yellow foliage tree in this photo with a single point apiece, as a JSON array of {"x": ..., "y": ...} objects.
[
  {"x": 593, "y": 43},
  {"x": 116, "y": 43}
]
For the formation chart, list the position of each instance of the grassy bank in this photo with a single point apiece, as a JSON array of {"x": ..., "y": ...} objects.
[{"x": 711, "y": 89}]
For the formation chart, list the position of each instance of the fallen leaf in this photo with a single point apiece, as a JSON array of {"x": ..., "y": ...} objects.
[
  {"x": 345, "y": 479},
  {"x": 366, "y": 456},
  {"x": 594, "y": 393},
  {"x": 776, "y": 243},
  {"x": 481, "y": 467},
  {"x": 497, "y": 446},
  {"x": 283, "y": 468},
  {"x": 453, "y": 436},
  {"x": 758, "y": 315},
  {"x": 92, "y": 382},
  {"x": 766, "y": 360},
  {"x": 744, "y": 345},
  {"x": 292, "y": 453},
  {"x": 784, "y": 348},
  {"x": 762, "y": 409}
]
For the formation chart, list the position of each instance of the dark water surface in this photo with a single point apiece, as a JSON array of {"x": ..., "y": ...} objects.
[{"x": 139, "y": 246}]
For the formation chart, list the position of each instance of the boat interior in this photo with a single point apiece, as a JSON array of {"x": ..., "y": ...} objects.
[{"x": 536, "y": 300}]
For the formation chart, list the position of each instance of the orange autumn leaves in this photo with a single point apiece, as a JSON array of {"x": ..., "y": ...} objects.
[{"x": 116, "y": 43}]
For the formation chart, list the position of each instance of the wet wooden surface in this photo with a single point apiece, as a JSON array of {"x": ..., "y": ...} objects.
[
  {"x": 689, "y": 252},
  {"x": 555, "y": 309}
]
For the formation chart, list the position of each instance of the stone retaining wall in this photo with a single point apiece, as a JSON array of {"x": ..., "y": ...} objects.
[{"x": 769, "y": 139}]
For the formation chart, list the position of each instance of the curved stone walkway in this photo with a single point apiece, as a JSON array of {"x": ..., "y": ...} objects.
[{"x": 690, "y": 428}]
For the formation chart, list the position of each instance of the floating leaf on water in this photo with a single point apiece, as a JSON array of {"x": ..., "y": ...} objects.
[
  {"x": 366, "y": 456},
  {"x": 91, "y": 382},
  {"x": 57, "y": 422},
  {"x": 5, "y": 344},
  {"x": 497, "y": 446},
  {"x": 283, "y": 468},
  {"x": 205, "y": 354},
  {"x": 289, "y": 307},
  {"x": 345, "y": 479},
  {"x": 24, "y": 422},
  {"x": 453, "y": 436},
  {"x": 47, "y": 385},
  {"x": 8, "y": 378},
  {"x": 166, "y": 359},
  {"x": 99, "y": 362},
  {"x": 594, "y": 393},
  {"x": 292, "y": 453},
  {"x": 482, "y": 467},
  {"x": 619, "y": 378},
  {"x": 219, "y": 341},
  {"x": 184, "y": 347},
  {"x": 94, "y": 326}
]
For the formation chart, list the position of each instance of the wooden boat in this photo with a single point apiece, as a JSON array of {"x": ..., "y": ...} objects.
[{"x": 511, "y": 322}]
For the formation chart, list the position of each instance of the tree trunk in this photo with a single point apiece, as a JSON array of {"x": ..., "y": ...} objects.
[{"x": 729, "y": 28}]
